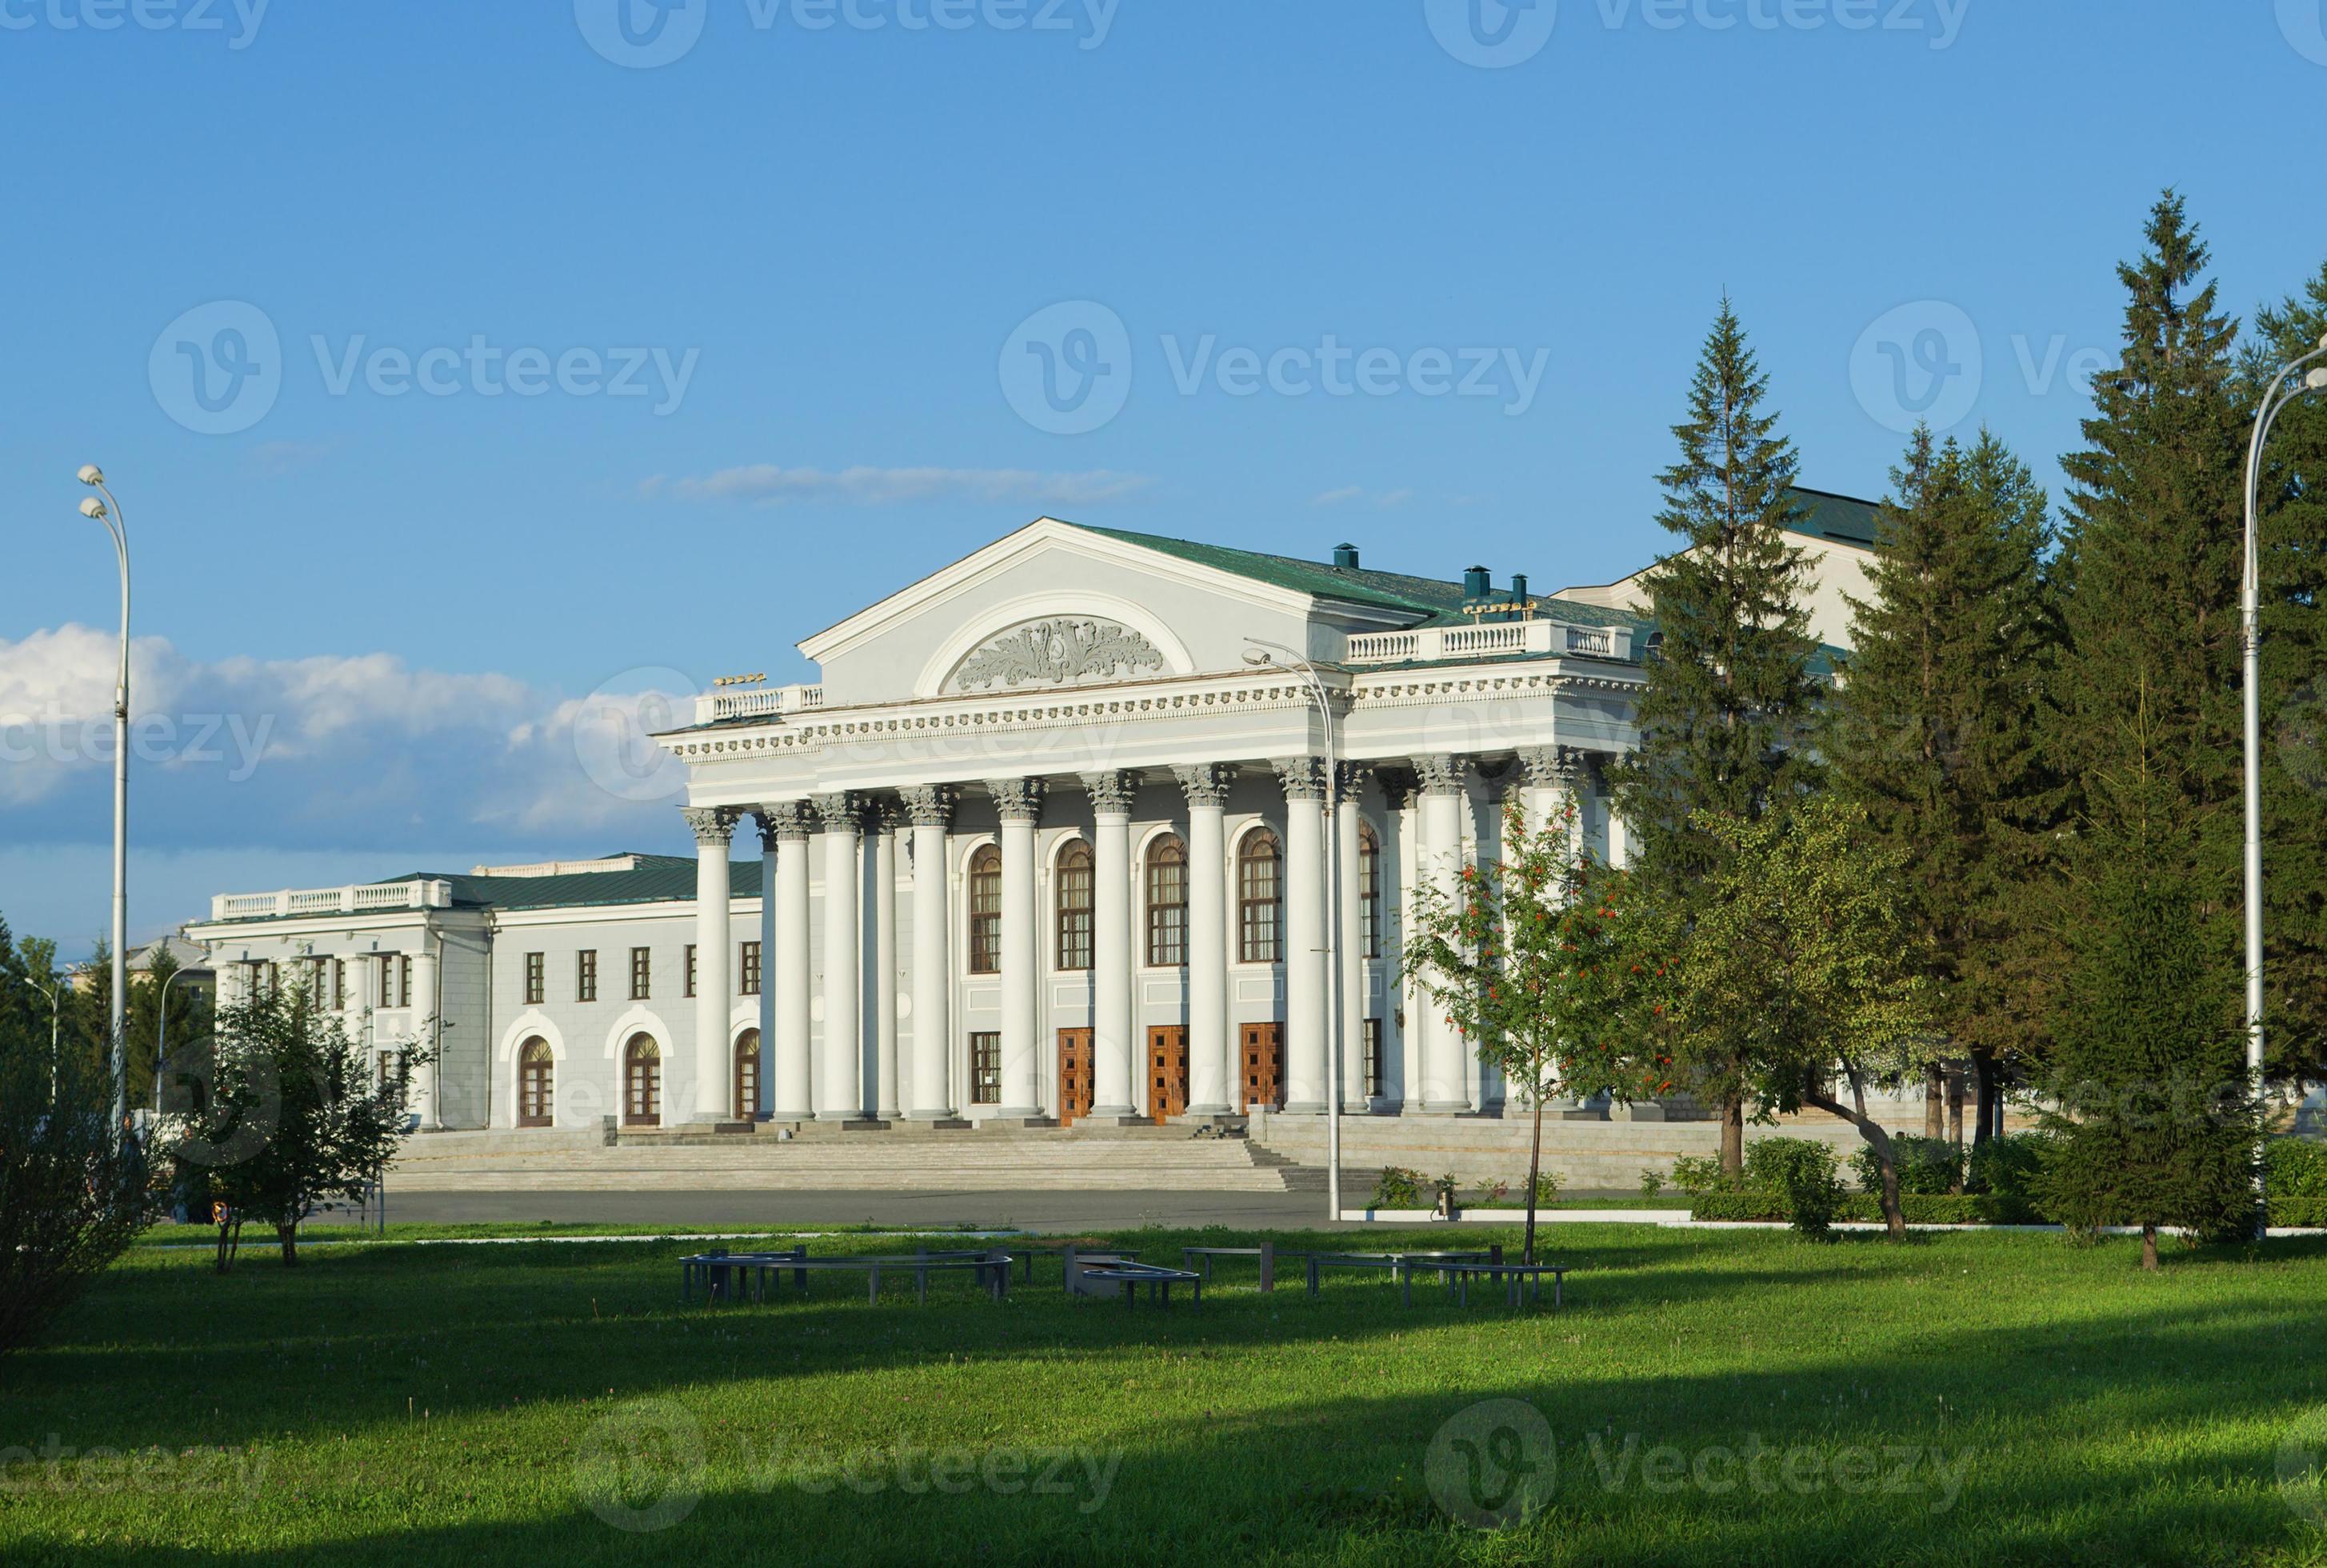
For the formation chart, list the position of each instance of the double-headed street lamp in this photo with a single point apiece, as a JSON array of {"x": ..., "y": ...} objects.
[
  {"x": 2250, "y": 614},
  {"x": 108, "y": 512},
  {"x": 1277, "y": 656}
]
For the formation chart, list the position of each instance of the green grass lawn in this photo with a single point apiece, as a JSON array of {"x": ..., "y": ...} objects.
[{"x": 1724, "y": 1397}]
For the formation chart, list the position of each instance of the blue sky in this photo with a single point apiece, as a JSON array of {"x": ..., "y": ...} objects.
[{"x": 810, "y": 250}]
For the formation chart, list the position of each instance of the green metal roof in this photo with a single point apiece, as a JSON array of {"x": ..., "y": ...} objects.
[
  {"x": 658, "y": 879},
  {"x": 1354, "y": 585},
  {"x": 1844, "y": 518}
]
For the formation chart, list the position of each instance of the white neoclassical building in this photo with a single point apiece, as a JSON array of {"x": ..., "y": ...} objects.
[{"x": 1087, "y": 826}]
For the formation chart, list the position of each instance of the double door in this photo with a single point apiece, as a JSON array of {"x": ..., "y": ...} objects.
[{"x": 1261, "y": 1081}]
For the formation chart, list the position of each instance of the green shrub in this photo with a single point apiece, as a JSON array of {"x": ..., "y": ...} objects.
[
  {"x": 1491, "y": 1195},
  {"x": 1926, "y": 1165},
  {"x": 1699, "y": 1173},
  {"x": 1546, "y": 1189},
  {"x": 1398, "y": 1188},
  {"x": 2298, "y": 1211},
  {"x": 2007, "y": 1166},
  {"x": 1917, "y": 1208},
  {"x": 1651, "y": 1183},
  {"x": 2295, "y": 1168},
  {"x": 1802, "y": 1172}
]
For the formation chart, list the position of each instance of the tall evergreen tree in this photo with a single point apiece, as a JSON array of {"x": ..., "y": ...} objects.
[
  {"x": 1935, "y": 737},
  {"x": 2152, "y": 1121},
  {"x": 1730, "y": 693},
  {"x": 2150, "y": 563},
  {"x": 2293, "y": 527}
]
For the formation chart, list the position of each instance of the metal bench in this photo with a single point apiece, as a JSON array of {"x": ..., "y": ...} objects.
[
  {"x": 1191, "y": 1257},
  {"x": 1127, "y": 1276},
  {"x": 1400, "y": 1265},
  {"x": 1522, "y": 1283},
  {"x": 732, "y": 1276}
]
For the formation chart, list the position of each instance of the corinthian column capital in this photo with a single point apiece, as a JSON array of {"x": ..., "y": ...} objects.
[
  {"x": 933, "y": 805},
  {"x": 1205, "y": 783},
  {"x": 1017, "y": 799},
  {"x": 715, "y": 826},
  {"x": 1303, "y": 778},
  {"x": 840, "y": 813},
  {"x": 1111, "y": 794},
  {"x": 782, "y": 822}
]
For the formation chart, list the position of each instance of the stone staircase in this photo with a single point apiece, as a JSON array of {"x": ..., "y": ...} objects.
[{"x": 900, "y": 1159}]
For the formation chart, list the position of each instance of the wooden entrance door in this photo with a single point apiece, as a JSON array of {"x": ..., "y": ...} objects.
[
  {"x": 1263, "y": 1066},
  {"x": 1167, "y": 1072},
  {"x": 1075, "y": 1086}
]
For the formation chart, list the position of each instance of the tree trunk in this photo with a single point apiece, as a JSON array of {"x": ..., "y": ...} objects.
[
  {"x": 1886, "y": 1156},
  {"x": 288, "y": 1235},
  {"x": 1988, "y": 1079},
  {"x": 1534, "y": 1165},
  {"x": 1955, "y": 1122},
  {"x": 1935, "y": 1094},
  {"x": 223, "y": 1258},
  {"x": 1733, "y": 1138},
  {"x": 2149, "y": 1248}
]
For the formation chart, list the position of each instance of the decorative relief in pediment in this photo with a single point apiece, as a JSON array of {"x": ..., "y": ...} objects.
[{"x": 1059, "y": 651}]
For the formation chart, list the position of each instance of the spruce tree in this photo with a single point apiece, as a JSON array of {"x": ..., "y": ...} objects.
[
  {"x": 1730, "y": 692},
  {"x": 1934, "y": 733},
  {"x": 2293, "y": 529},
  {"x": 2150, "y": 561},
  {"x": 2152, "y": 1120}
]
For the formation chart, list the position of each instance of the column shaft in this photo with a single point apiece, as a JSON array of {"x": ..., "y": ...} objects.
[
  {"x": 1115, "y": 1069},
  {"x": 421, "y": 1088},
  {"x": 1307, "y": 1023},
  {"x": 1020, "y": 803},
  {"x": 1443, "y": 1074},
  {"x": 785, "y": 990},
  {"x": 840, "y": 1093},
  {"x": 1349, "y": 918},
  {"x": 714, "y": 833},
  {"x": 884, "y": 966},
  {"x": 933, "y": 812},
  {"x": 1209, "y": 1076}
]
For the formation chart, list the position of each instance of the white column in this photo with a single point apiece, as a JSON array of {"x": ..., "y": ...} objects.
[
  {"x": 1619, "y": 838},
  {"x": 840, "y": 1093},
  {"x": 785, "y": 990},
  {"x": 1114, "y": 1045},
  {"x": 1019, "y": 801},
  {"x": 714, "y": 835},
  {"x": 931, "y": 809},
  {"x": 426, "y": 1003},
  {"x": 1550, "y": 791},
  {"x": 887, "y": 823},
  {"x": 1350, "y": 942},
  {"x": 1444, "y": 798},
  {"x": 1308, "y": 1023},
  {"x": 1210, "y": 1072}
]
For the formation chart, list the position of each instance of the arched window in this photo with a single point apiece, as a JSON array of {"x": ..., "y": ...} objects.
[
  {"x": 1167, "y": 902},
  {"x": 1075, "y": 903},
  {"x": 537, "y": 1106},
  {"x": 642, "y": 1083},
  {"x": 1369, "y": 892},
  {"x": 747, "y": 1077},
  {"x": 986, "y": 911},
  {"x": 1260, "y": 899}
]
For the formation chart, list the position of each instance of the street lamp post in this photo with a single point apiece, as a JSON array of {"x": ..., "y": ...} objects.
[
  {"x": 162, "y": 1033},
  {"x": 1277, "y": 656},
  {"x": 108, "y": 512},
  {"x": 55, "y": 1005},
  {"x": 2251, "y": 616}
]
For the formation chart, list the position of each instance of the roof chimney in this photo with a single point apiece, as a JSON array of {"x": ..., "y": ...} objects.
[
  {"x": 1478, "y": 583},
  {"x": 1345, "y": 557},
  {"x": 1519, "y": 586}
]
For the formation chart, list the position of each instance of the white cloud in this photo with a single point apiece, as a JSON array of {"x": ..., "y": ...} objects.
[
  {"x": 339, "y": 753},
  {"x": 766, "y": 484},
  {"x": 1358, "y": 495}
]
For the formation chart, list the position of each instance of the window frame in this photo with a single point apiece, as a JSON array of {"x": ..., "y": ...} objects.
[
  {"x": 1260, "y": 914},
  {"x": 985, "y": 1067},
  {"x": 747, "y": 968},
  {"x": 1369, "y": 889},
  {"x": 643, "y": 974},
  {"x": 986, "y": 909},
  {"x": 585, "y": 975},
  {"x": 537, "y": 1110},
  {"x": 1166, "y": 946},
  {"x": 1077, "y": 871},
  {"x": 537, "y": 979}
]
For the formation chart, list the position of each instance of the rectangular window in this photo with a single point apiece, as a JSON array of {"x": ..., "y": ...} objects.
[
  {"x": 338, "y": 985},
  {"x": 315, "y": 978},
  {"x": 985, "y": 912},
  {"x": 1167, "y": 909},
  {"x": 1369, "y": 894},
  {"x": 404, "y": 979},
  {"x": 1377, "y": 1073},
  {"x": 383, "y": 965},
  {"x": 749, "y": 968},
  {"x": 985, "y": 1069},
  {"x": 1075, "y": 894},
  {"x": 585, "y": 975},
  {"x": 537, "y": 983},
  {"x": 689, "y": 988},
  {"x": 642, "y": 973}
]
